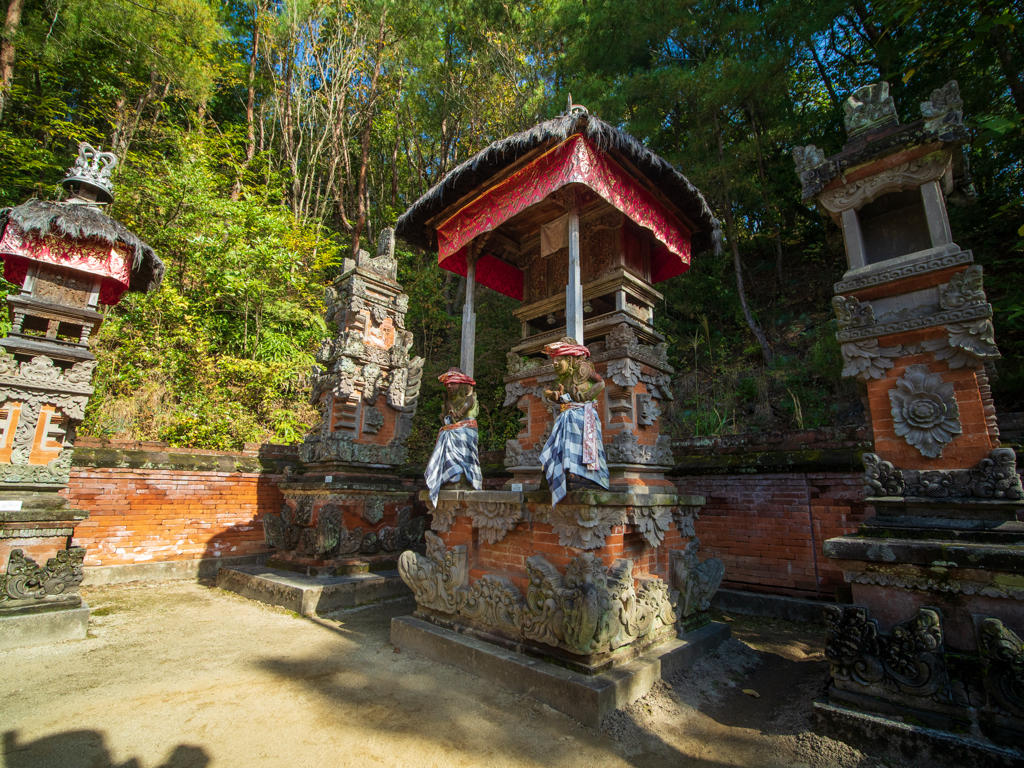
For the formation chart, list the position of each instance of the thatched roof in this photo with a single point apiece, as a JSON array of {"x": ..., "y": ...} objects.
[
  {"x": 85, "y": 222},
  {"x": 462, "y": 180}
]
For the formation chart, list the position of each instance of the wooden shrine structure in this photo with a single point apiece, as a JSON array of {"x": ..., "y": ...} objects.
[{"x": 579, "y": 221}]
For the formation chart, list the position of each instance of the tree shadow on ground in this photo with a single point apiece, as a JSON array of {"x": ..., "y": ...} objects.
[
  {"x": 408, "y": 698},
  {"x": 86, "y": 749}
]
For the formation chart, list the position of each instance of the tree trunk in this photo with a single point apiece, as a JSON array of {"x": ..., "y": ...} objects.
[
  {"x": 250, "y": 102},
  {"x": 11, "y": 25},
  {"x": 1010, "y": 70},
  {"x": 730, "y": 224},
  {"x": 364, "y": 154}
]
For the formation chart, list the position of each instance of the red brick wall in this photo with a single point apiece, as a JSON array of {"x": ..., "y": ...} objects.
[
  {"x": 768, "y": 528},
  {"x": 155, "y": 515}
]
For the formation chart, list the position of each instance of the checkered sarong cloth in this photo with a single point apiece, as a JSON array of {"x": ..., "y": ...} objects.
[
  {"x": 455, "y": 454},
  {"x": 564, "y": 451}
]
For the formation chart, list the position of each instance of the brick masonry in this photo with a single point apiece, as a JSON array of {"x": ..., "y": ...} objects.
[{"x": 772, "y": 500}]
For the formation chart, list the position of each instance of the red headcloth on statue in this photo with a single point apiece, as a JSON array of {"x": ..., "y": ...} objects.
[
  {"x": 455, "y": 376},
  {"x": 559, "y": 348}
]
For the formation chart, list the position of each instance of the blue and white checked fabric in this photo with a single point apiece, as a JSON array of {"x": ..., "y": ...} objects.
[
  {"x": 563, "y": 452},
  {"x": 455, "y": 454}
]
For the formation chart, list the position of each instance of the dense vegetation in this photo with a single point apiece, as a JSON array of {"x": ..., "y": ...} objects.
[{"x": 264, "y": 140}]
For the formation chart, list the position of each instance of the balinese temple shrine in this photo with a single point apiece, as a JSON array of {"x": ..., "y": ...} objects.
[{"x": 579, "y": 222}]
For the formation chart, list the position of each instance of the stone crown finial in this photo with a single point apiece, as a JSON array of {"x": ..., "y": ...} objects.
[
  {"x": 869, "y": 107},
  {"x": 89, "y": 178}
]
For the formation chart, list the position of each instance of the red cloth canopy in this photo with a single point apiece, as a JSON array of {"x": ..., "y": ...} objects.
[{"x": 574, "y": 161}]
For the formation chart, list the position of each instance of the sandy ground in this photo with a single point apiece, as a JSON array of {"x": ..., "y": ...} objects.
[{"x": 183, "y": 675}]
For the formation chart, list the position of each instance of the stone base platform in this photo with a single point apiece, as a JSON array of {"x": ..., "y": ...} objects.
[
  {"x": 308, "y": 595},
  {"x": 585, "y": 698},
  {"x": 915, "y": 744},
  {"x": 42, "y": 622}
]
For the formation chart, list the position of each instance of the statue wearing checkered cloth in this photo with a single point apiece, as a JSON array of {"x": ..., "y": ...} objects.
[
  {"x": 574, "y": 453},
  {"x": 456, "y": 453}
]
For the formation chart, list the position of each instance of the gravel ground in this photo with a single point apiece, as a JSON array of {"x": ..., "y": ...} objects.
[{"x": 183, "y": 675}]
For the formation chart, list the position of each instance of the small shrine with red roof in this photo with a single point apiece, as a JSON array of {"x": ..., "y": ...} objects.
[{"x": 589, "y": 569}]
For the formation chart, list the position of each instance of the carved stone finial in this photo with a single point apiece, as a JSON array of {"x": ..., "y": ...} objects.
[
  {"x": 945, "y": 107},
  {"x": 852, "y": 313},
  {"x": 89, "y": 178},
  {"x": 697, "y": 582},
  {"x": 925, "y": 411},
  {"x": 807, "y": 157},
  {"x": 869, "y": 107}
]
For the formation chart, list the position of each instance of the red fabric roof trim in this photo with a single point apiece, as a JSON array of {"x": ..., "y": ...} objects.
[
  {"x": 491, "y": 272},
  {"x": 574, "y": 161}
]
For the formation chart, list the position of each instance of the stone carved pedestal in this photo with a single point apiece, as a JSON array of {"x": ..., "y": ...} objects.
[
  {"x": 68, "y": 258},
  {"x": 937, "y": 575},
  {"x": 346, "y": 511}
]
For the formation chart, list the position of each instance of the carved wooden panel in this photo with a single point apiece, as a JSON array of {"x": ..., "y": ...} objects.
[{"x": 55, "y": 285}]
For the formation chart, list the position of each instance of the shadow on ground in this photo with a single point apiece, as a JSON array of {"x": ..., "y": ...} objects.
[{"x": 86, "y": 749}]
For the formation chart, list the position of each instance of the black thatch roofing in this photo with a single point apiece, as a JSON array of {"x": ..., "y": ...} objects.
[
  {"x": 465, "y": 178},
  {"x": 85, "y": 222}
]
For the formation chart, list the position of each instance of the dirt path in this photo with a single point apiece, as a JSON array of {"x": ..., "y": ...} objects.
[{"x": 183, "y": 675}]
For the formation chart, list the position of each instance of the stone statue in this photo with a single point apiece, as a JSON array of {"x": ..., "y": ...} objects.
[
  {"x": 456, "y": 454},
  {"x": 574, "y": 453}
]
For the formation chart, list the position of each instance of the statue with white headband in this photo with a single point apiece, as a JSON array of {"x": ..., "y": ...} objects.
[
  {"x": 574, "y": 453},
  {"x": 456, "y": 454}
]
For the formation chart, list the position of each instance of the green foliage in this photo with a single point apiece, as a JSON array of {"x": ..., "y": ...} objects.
[{"x": 359, "y": 106}]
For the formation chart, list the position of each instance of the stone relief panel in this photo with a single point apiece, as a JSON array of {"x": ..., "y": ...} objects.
[
  {"x": 995, "y": 477},
  {"x": 1002, "y": 657},
  {"x": 908, "y": 661},
  {"x": 925, "y": 411},
  {"x": 697, "y": 582},
  {"x": 592, "y": 609},
  {"x": 27, "y": 580},
  {"x": 869, "y": 107}
]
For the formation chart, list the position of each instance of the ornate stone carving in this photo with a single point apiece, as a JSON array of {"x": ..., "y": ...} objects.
[
  {"x": 625, "y": 448},
  {"x": 492, "y": 600},
  {"x": 905, "y": 176},
  {"x": 910, "y": 661},
  {"x": 647, "y": 410},
  {"x": 328, "y": 530},
  {"x": 889, "y": 274},
  {"x": 658, "y": 384},
  {"x": 373, "y": 510},
  {"x": 966, "y": 344},
  {"x": 27, "y": 580},
  {"x": 437, "y": 578},
  {"x": 924, "y": 410},
  {"x": 869, "y": 107},
  {"x": 621, "y": 337},
  {"x": 517, "y": 456},
  {"x": 945, "y": 107},
  {"x": 584, "y": 527},
  {"x": 852, "y": 313},
  {"x": 865, "y": 359},
  {"x": 518, "y": 365},
  {"x": 515, "y": 390},
  {"x": 373, "y": 420},
  {"x": 1002, "y": 657},
  {"x": 442, "y": 517},
  {"x": 624, "y": 372},
  {"x": 944, "y": 583},
  {"x": 964, "y": 288},
  {"x": 927, "y": 319},
  {"x": 408, "y": 531},
  {"x": 881, "y": 478},
  {"x": 995, "y": 477},
  {"x": 340, "y": 447},
  {"x": 695, "y": 581},
  {"x": 494, "y": 519},
  {"x": 652, "y": 523},
  {"x": 807, "y": 157},
  {"x": 686, "y": 516}
]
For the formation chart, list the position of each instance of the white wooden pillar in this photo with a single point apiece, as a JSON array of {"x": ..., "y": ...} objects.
[
  {"x": 574, "y": 289},
  {"x": 468, "y": 313}
]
